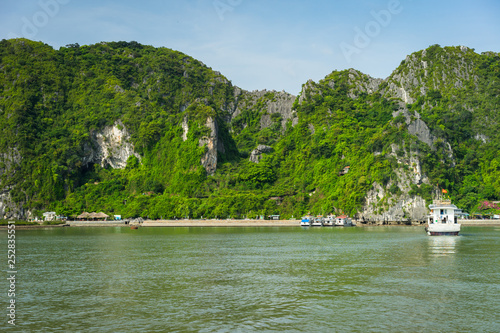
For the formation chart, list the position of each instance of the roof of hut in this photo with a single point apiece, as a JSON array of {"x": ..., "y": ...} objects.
[{"x": 83, "y": 215}]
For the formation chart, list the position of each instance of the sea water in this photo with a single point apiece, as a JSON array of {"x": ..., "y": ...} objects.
[{"x": 363, "y": 279}]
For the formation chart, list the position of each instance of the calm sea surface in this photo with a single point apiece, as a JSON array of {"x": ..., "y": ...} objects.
[{"x": 380, "y": 279}]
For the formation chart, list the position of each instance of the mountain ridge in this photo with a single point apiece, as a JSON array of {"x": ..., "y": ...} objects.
[{"x": 196, "y": 138}]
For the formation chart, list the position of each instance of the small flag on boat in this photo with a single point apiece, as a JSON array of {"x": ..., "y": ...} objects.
[{"x": 444, "y": 191}]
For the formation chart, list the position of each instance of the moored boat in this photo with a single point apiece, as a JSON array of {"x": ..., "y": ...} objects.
[
  {"x": 306, "y": 221},
  {"x": 442, "y": 220},
  {"x": 317, "y": 222},
  {"x": 329, "y": 221},
  {"x": 343, "y": 221}
]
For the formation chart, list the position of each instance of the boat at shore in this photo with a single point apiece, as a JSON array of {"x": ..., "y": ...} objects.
[
  {"x": 343, "y": 221},
  {"x": 329, "y": 221},
  {"x": 317, "y": 222},
  {"x": 442, "y": 220},
  {"x": 306, "y": 221}
]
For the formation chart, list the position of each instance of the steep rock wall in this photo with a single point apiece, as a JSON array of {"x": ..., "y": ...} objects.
[
  {"x": 109, "y": 146},
  {"x": 9, "y": 162},
  {"x": 213, "y": 145},
  {"x": 272, "y": 102}
]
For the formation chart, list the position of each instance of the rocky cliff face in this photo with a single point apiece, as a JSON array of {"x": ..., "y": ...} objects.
[
  {"x": 9, "y": 162},
  {"x": 213, "y": 145},
  {"x": 109, "y": 146},
  {"x": 10, "y": 209},
  {"x": 256, "y": 154},
  {"x": 432, "y": 70},
  {"x": 417, "y": 74},
  {"x": 268, "y": 103},
  {"x": 381, "y": 206}
]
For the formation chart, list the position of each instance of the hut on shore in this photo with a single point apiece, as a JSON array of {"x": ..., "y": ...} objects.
[
  {"x": 83, "y": 216},
  {"x": 93, "y": 216},
  {"x": 101, "y": 216}
]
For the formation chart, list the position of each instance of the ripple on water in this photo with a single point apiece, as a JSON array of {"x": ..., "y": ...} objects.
[{"x": 256, "y": 280}]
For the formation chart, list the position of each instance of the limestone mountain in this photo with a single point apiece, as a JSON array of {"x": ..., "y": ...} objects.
[{"x": 142, "y": 131}]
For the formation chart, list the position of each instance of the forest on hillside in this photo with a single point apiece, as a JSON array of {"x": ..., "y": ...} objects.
[{"x": 52, "y": 102}]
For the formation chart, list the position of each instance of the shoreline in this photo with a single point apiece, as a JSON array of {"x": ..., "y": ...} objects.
[
  {"x": 258, "y": 223},
  {"x": 232, "y": 223}
]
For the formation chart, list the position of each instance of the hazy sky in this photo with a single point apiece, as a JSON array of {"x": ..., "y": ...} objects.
[{"x": 268, "y": 44}]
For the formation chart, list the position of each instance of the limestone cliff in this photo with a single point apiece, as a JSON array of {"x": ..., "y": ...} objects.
[
  {"x": 110, "y": 146},
  {"x": 422, "y": 72},
  {"x": 394, "y": 202},
  {"x": 213, "y": 144},
  {"x": 381, "y": 206},
  {"x": 256, "y": 154},
  {"x": 268, "y": 103},
  {"x": 9, "y": 163}
]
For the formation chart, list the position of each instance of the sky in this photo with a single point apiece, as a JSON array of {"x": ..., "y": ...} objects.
[{"x": 265, "y": 44}]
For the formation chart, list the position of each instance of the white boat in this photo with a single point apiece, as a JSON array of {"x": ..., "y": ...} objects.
[
  {"x": 306, "y": 221},
  {"x": 442, "y": 221},
  {"x": 329, "y": 221},
  {"x": 343, "y": 221},
  {"x": 317, "y": 222}
]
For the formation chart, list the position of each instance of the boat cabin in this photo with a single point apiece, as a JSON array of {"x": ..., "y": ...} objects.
[
  {"x": 343, "y": 220},
  {"x": 443, "y": 211}
]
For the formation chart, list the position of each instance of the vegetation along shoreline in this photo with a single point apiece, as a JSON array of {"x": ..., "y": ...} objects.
[{"x": 231, "y": 223}]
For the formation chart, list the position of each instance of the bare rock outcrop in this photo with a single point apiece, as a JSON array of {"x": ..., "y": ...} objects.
[
  {"x": 213, "y": 145},
  {"x": 398, "y": 206},
  {"x": 398, "y": 209},
  {"x": 9, "y": 160},
  {"x": 8, "y": 208},
  {"x": 361, "y": 83},
  {"x": 417, "y": 75},
  {"x": 109, "y": 146},
  {"x": 256, "y": 154},
  {"x": 272, "y": 102}
]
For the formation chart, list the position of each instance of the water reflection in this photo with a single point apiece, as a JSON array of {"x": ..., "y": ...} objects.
[{"x": 442, "y": 245}]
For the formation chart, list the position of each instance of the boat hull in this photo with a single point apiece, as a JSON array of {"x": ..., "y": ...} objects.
[
  {"x": 443, "y": 229},
  {"x": 442, "y": 233}
]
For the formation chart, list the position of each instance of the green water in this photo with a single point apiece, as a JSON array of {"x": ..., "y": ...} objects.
[{"x": 381, "y": 279}]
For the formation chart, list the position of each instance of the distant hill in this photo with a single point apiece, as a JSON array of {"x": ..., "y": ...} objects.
[{"x": 135, "y": 130}]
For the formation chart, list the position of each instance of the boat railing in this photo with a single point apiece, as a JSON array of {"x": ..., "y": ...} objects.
[{"x": 441, "y": 202}]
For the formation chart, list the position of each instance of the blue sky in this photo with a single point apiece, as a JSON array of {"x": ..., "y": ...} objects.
[{"x": 269, "y": 44}]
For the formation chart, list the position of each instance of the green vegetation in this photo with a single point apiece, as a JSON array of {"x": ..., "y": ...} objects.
[
  {"x": 18, "y": 222},
  {"x": 51, "y": 101}
]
